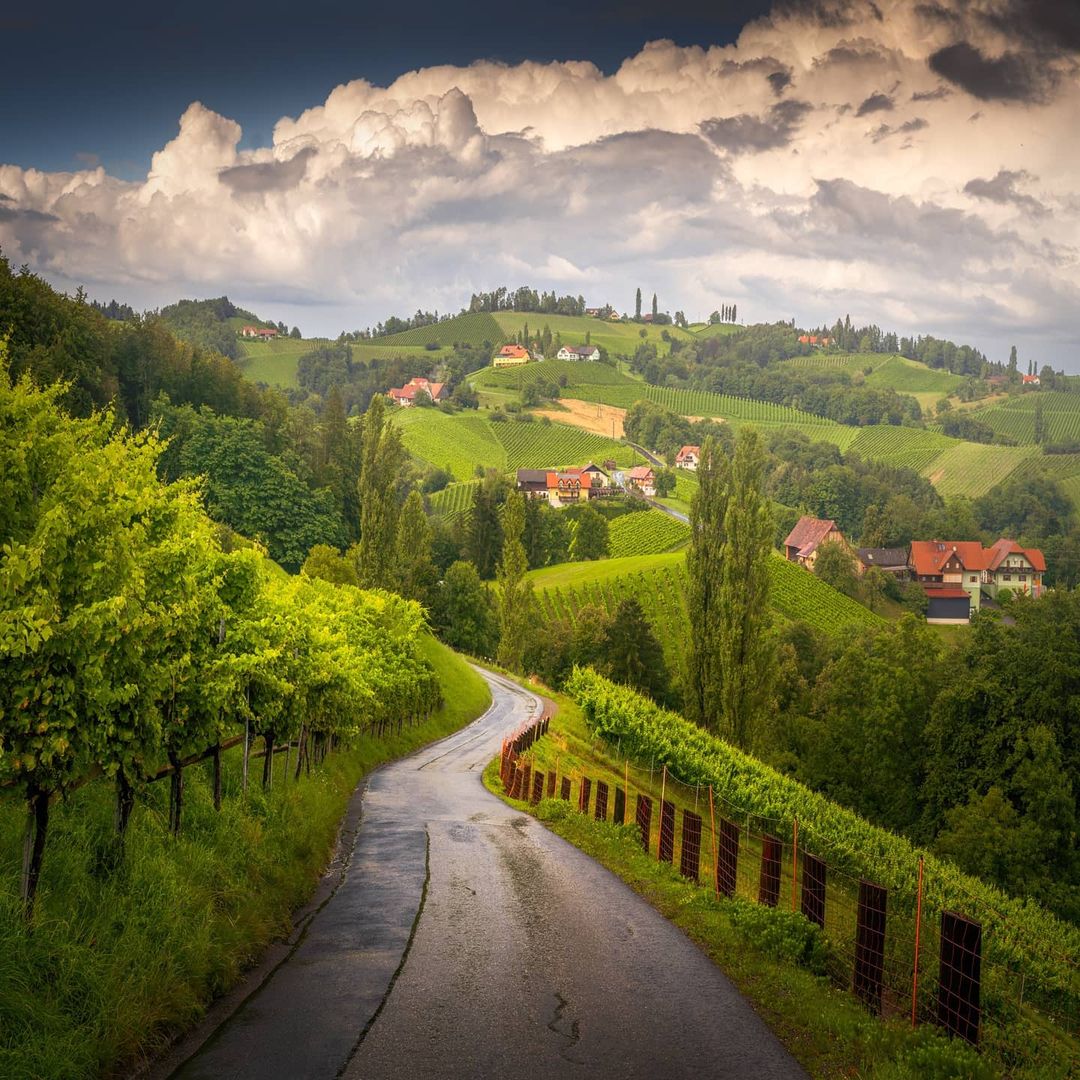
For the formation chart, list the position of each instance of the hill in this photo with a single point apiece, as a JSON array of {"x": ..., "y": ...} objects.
[
  {"x": 888, "y": 372},
  {"x": 462, "y": 442},
  {"x": 658, "y": 583},
  {"x": 1016, "y": 417},
  {"x": 620, "y": 339},
  {"x": 473, "y": 328}
]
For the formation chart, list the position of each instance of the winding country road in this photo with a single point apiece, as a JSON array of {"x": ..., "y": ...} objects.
[{"x": 465, "y": 940}]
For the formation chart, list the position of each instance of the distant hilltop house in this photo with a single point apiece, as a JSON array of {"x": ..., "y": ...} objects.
[
  {"x": 615, "y": 317},
  {"x": 564, "y": 485},
  {"x": 642, "y": 479},
  {"x": 594, "y": 312},
  {"x": 688, "y": 458},
  {"x": 1030, "y": 380},
  {"x": 579, "y": 352},
  {"x": 511, "y": 356},
  {"x": 817, "y": 341},
  {"x": 258, "y": 332},
  {"x": 956, "y": 575},
  {"x": 406, "y": 395},
  {"x": 805, "y": 540},
  {"x": 893, "y": 561}
]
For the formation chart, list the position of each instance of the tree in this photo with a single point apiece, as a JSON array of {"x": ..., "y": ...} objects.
[
  {"x": 654, "y": 307},
  {"x": 415, "y": 573},
  {"x": 665, "y": 482},
  {"x": 632, "y": 653},
  {"x": 295, "y": 333},
  {"x": 835, "y": 565},
  {"x": 485, "y": 533},
  {"x": 1040, "y": 425},
  {"x": 1012, "y": 362},
  {"x": 328, "y": 564},
  {"x": 590, "y": 536},
  {"x": 637, "y": 305},
  {"x": 464, "y": 613},
  {"x": 516, "y": 601},
  {"x": 382, "y": 458}
]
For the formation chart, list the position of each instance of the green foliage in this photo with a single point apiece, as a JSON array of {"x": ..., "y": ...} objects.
[
  {"x": 835, "y": 565},
  {"x": 383, "y": 457},
  {"x": 473, "y": 328},
  {"x": 591, "y": 536},
  {"x": 206, "y": 323},
  {"x": 463, "y": 612},
  {"x": 516, "y": 600}
]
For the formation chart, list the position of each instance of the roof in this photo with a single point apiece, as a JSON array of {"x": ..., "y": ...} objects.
[
  {"x": 883, "y": 556},
  {"x": 929, "y": 557},
  {"x": 1031, "y": 378},
  {"x": 514, "y": 351},
  {"x": 532, "y": 476},
  {"x": 640, "y": 472},
  {"x": 686, "y": 451},
  {"x": 946, "y": 594},
  {"x": 808, "y": 534},
  {"x": 409, "y": 391},
  {"x": 1003, "y": 548}
]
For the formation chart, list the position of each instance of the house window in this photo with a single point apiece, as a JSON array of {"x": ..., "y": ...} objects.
[
  {"x": 973, "y": 579},
  {"x": 1008, "y": 577},
  {"x": 1023, "y": 577}
]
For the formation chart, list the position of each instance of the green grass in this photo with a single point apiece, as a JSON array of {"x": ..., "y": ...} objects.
[
  {"x": 646, "y": 533},
  {"x": 120, "y": 961},
  {"x": 274, "y": 362},
  {"x": 972, "y": 469},
  {"x": 454, "y": 499},
  {"x": 715, "y": 329},
  {"x": 1016, "y": 417},
  {"x": 473, "y": 328},
  {"x": 462, "y": 441},
  {"x": 577, "y": 373},
  {"x": 904, "y": 447},
  {"x": 773, "y": 956}
]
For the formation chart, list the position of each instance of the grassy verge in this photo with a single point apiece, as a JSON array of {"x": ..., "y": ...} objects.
[
  {"x": 120, "y": 960},
  {"x": 776, "y": 958}
]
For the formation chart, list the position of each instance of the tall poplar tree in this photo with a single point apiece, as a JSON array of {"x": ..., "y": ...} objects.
[
  {"x": 516, "y": 601},
  {"x": 637, "y": 305},
  {"x": 654, "y": 307},
  {"x": 703, "y": 563},
  {"x": 415, "y": 574},
  {"x": 381, "y": 460}
]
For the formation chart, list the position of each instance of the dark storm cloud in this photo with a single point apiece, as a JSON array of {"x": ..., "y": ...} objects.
[
  {"x": 780, "y": 81},
  {"x": 832, "y": 13},
  {"x": 35, "y": 217},
  {"x": 267, "y": 176},
  {"x": 876, "y": 103},
  {"x": 745, "y": 134},
  {"x": 907, "y": 128},
  {"x": 1049, "y": 25},
  {"x": 1009, "y": 77},
  {"x": 939, "y": 94},
  {"x": 1001, "y": 189}
]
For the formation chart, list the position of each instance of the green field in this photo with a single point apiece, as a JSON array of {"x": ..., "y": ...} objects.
[
  {"x": 575, "y": 372},
  {"x": 1016, "y": 417},
  {"x": 707, "y": 330},
  {"x": 972, "y": 469},
  {"x": 453, "y": 500},
  {"x": 904, "y": 447},
  {"x": 274, "y": 362},
  {"x": 658, "y": 582},
  {"x": 649, "y": 532},
  {"x": 887, "y": 372},
  {"x": 473, "y": 328},
  {"x": 460, "y": 442}
]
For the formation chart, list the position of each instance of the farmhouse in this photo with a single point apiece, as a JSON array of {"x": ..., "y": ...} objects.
[
  {"x": 250, "y": 331},
  {"x": 957, "y": 575},
  {"x": 511, "y": 356},
  {"x": 894, "y": 561},
  {"x": 1030, "y": 380},
  {"x": 642, "y": 479},
  {"x": 565, "y": 485},
  {"x": 806, "y": 538},
  {"x": 263, "y": 333},
  {"x": 688, "y": 458},
  {"x": 578, "y": 352},
  {"x": 819, "y": 342},
  {"x": 406, "y": 395}
]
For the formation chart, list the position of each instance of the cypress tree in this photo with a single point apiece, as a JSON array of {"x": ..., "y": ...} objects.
[
  {"x": 416, "y": 575},
  {"x": 637, "y": 305},
  {"x": 516, "y": 601},
  {"x": 654, "y": 307},
  {"x": 382, "y": 458}
]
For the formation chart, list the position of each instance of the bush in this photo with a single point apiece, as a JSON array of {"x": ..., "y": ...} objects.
[{"x": 784, "y": 935}]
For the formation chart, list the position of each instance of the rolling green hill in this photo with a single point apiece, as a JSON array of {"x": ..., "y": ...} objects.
[
  {"x": 460, "y": 442},
  {"x": 474, "y": 328},
  {"x": 646, "y": 533},
  {"x": 1016, "y": 417},
  {"x": 618, "y": 338},
  {"x": 658, "y": 582},
  {"x": 274, "y": 362},
  {"x": 928, "y": 385},
  {"x": 576, "y": 373}
]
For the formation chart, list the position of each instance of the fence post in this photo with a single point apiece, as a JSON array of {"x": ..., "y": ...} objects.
[
  {"x": 918, "y": 926},
  {"x": 794, "y": 859},
  {"x": 663, "y": 788},
  {"x": 715, "y": 864}
]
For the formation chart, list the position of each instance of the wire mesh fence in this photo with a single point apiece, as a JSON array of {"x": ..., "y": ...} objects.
[{"x": 897, "y": 952}]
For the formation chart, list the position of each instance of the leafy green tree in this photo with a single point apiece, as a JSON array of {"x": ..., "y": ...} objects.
[
  {"x": 414, "y": 568},
  {"x": 485, "y": 532},
  {"x": 637, "y": 305},
  {"x": 517, "y": 604},
  {"x": 328, "y": 564},
  {"x": 591, "y": 536},
  {"x": 464, "y": 613},
  {"x": 1012, "y": 363},
  {"x": 835, "y": 565},
  {"x": 632, "y": 653},
  {"x": 383, "y": 457},
  {"x": 654, "y": 307}
]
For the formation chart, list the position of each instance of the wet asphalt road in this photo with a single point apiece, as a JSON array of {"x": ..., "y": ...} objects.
[{"x": 465, "y": 940}]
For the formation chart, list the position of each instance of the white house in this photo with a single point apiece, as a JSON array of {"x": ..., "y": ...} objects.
[
  {"x": 579, "y": 352},
  {"x": 688, "y": 458}
]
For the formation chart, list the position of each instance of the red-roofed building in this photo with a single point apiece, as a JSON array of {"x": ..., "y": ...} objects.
[
  {"x": 405, "y": 396},
  {"x": 643, "y": 479},
  {"x": 688, "y": 458},
  {"x": 511, "y": 355},
  {"x": 267, "y": 333},
  {"x": 942, "y": 567},
  {"x": 563, "y": 485},
  {"x": 1030, "y": 380},
  {"x": 250, "y": 331},
  {"x": 806, "y": 538}
]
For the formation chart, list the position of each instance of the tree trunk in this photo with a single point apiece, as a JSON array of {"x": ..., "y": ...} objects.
[
  {"x": 125, "y": 803},
  {"x": 217, "y": 777},
  {"x": 288, "y": 752},
  {"x": 176, "y": 794},
  {"x": 247, "y": 752},
  {"x": 301, "y": 749},
  {"x": 37, "y": 826},
  {"x": 268, "y": 761}
]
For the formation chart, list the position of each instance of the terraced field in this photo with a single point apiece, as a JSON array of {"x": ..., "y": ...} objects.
[
  {"x": 473, "y": 328},
  {"x": 454, "y": 499},
  {"x": 716, "y": 330},
  {"x": 648, "y": 532},
  {"x": 462, "y": 441},
  {"x": 972, "y": 469},
  {"x": 1016, "y": 417}
]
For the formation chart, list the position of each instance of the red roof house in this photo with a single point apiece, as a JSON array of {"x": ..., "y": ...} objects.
[
  {"x": 806, "y": 538},
  {"x": 688, "y": 458},
  {"x": 406, "y": 395}
]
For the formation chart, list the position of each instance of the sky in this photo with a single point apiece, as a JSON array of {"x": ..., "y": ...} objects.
[{"x": 911, "y": 164}]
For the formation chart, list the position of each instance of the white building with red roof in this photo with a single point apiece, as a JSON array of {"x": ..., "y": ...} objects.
[
  {"x": 804, "y": 541},
  {"x": 406, "y": 395},
  {"x": 688, "y": 458},
  {"x": 511, "y": 355}
]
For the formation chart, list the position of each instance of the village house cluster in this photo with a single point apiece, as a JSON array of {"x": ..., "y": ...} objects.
[
  {"x": 958, "y": 577},
  {"x": 406, "y": 395},
  {"x": 560, "y": 486},
  {"x": 263, "y": 333}
]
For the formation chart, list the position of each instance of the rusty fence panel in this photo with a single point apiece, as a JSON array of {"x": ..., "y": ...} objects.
[
  {"x": 769, "y": 885},
  {"x": 619, "y": 816},
  {"x": 537, "y": 788},
  {"x": 690, "y": 855},
  {"x": 870, "y": 923},
  {"x": 564, "y": 791},
  {"x": 643, "y": 818},
  {"x": 727, "y": 857},
  {"x": 813, "y": 889},
  {"x": 584, "y": 795},
  {"x": 959, "y": 1010},
  {"x": 601, "y": 800},
  {"x": 666, "y": 851}
]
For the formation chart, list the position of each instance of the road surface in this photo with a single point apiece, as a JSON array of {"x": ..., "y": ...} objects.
[{"x": 465, "y": 940}]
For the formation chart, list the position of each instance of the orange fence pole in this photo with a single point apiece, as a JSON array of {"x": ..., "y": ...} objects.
[
  {"x": 712, "y": 821},
  {"x": 626, "y": 788},
  {"x": 794, "y": 859},
  {"x": 918, "y": 925},
  {"x": 659, "y": 826}
]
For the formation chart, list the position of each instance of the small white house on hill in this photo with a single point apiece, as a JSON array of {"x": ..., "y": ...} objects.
[{"x": 579, "y": 352}]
